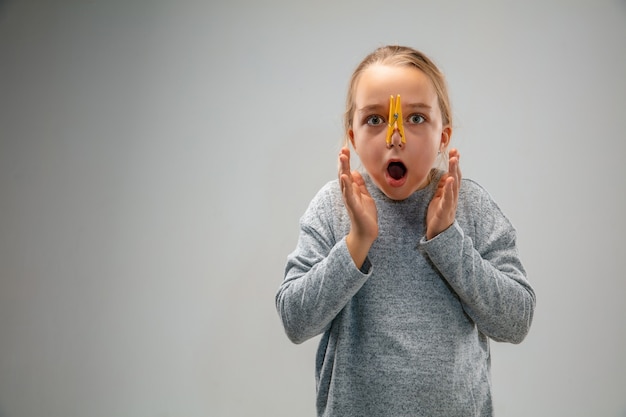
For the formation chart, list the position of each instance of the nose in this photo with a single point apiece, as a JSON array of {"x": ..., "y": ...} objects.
[
  {"x": 396, "y": 138},
  {"x": 395, "y": 130}
]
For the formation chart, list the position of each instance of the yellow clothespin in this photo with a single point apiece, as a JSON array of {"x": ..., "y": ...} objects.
[{"x": 395, "y": 120}]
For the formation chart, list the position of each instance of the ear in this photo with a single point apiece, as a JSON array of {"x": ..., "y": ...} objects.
[
  {"x": 351, "y": 136},
  {"x": 446, "y": 134}
]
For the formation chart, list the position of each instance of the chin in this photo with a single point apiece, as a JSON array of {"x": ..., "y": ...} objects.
[
  {"x": 397, "y": 194},
  {"x": 405, "y": 190}
]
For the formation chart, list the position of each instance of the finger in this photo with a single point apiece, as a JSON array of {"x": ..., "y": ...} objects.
[
  {"x": 454, "y": 169},
  {"x": 457, "y": 156},
  {"x": 344, "y": 161},
  {"x": 449, "y": 198},
  {"x": 453, "y": 162},
  {"x": 454, "y": 174},
  {"x": 441, "y": 184},
  {"x": 344, "y": 178},
  {"x": 342, "y": 152},
  {"x": 346, "y": 190},
  {"x": 345, "y": 151},
  {"x": 358, "y": 180}
]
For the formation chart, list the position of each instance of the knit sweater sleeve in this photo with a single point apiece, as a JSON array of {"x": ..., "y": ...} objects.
[
  {"x": 320, "y": 276},
  {"x": 479, "y": 258}
]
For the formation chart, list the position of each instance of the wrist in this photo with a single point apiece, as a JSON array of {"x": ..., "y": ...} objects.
[
  {"x": 358, "y": 247},
  {"x": 435, "y": 232}
]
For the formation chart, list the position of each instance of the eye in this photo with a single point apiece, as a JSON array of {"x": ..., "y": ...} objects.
[
  {"x": 416, "y": 119},
  {"x": 374, "y": 120}
]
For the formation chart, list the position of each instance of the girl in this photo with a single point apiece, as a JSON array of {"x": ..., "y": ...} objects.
[{"x": 406, "y": 270}]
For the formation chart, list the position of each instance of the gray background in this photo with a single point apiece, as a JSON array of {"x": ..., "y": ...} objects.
[{"x": 155, "y": 158}]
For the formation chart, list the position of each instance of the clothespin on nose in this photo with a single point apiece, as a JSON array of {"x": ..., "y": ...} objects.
[{"x": 395, "y": 120}]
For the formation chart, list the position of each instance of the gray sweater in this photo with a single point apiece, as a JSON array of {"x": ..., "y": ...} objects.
[{"x": 408, "y": 333}]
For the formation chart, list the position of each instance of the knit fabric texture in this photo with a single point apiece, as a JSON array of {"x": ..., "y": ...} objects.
[{"x": 408, "y": 333}]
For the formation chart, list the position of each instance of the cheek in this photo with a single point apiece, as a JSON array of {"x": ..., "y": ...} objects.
[
  {"x": 365, "y": 152},
  {"x": 426, "y": 158},
  {"x": 426, "y": 152},
  {"x": 366, "y": 138},
  {"x": 430, "y": 138}
]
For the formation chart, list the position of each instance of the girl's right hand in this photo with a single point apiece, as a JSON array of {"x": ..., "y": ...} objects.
[{"x": 361, "y": 208}]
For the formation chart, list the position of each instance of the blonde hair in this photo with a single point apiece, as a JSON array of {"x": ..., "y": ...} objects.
[{"x": 401, "y": 56}]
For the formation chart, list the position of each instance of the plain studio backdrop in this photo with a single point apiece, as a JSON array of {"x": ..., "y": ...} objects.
[{"x": 155, "y": 158}]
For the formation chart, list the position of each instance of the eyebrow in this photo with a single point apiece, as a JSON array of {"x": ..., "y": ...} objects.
[
  {"x": 370, "y": 108},
  {"x": 419, "y": 106},
  {"x": 378, "y": 107}
]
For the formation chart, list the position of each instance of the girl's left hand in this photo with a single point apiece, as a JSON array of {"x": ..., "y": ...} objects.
[{"x": 442, "y": 208}]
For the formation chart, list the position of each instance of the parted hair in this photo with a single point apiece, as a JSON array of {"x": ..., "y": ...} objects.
[{"x": 402, "y": 56}]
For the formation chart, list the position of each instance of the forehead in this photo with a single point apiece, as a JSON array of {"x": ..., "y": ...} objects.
[{"x": 377, "y": 82}]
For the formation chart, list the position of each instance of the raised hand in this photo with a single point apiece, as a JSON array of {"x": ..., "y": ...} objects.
[
  {"x": 361, "y": 208},
  {"x": 442, "y": 208}
]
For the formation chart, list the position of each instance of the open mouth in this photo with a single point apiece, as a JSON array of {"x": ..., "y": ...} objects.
[{"x": 396, "y": 170}]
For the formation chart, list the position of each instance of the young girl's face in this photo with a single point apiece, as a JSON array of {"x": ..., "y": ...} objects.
[{"x": 402, "y": 169}]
